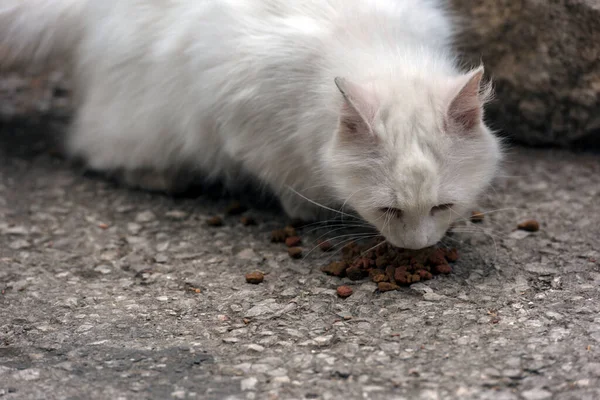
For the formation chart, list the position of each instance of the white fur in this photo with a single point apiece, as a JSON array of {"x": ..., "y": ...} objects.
[{"x": 246, "y": 87}]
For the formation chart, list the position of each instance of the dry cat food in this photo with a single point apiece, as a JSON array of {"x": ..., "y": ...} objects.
[
  {"x": 295, "y": 252},
  {"x": 255, "y": 277},
  {"x": 280, "y": 235},
  {"x": 247, "y": 221},
  {"x": 215, "y": 221},
  {"x": 391, "y": 267},
  {"x": 235, "y": 208},
  {"x": 530, "y": 225},
  {"x": 293, "y": 241},
  {"x": 344, "y": 291}
]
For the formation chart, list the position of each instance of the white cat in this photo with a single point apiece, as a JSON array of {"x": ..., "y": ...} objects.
[{"x": 343, "y": 102}]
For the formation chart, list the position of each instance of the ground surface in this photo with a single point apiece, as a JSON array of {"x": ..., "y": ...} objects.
[{"x": 97, "y": 297}]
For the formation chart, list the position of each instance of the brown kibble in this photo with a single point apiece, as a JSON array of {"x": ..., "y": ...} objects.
[
  {"x": 438, "y": 257},
  {"x": 344, "y": 291},
  {"x": 442, "y": 269},
  {"x": 381, "y": 262},
  {"x": 335, "y": 268},
  {"x": 235, "y": 208},
  {"x": 387, "y": 286},
  {"x": 255, "y": 277},
  {"x": 530, "y": 225},
  {"x": 477, "y": 217},
  {"x": 295, "y": 252},
  {"x": 326, "y": 245},
  {"x": 278, "y": 236},
  {"x": 389, "y": 271},
  {"x": 451, "y": 255},
  {"x": 197, "y": 290},
  {"x": 293, "y": 241},
  {"x": 425, "y": 275},
  {"x": 247, "y": 221},
  {"x": 378, "y": 275},
  {"x": 215, "y": 221},
  {"x": 290, "y": 231},
  {"x": 415, "y": 278},
  {"x": 103, "y": 226},
  {"x": 354, "y": 273}
]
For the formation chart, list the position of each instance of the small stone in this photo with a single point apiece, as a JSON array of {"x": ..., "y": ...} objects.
[
  {"x": 247, "y": 221},
  {"x": 162, "y": 298},
  {"x": 430, "y": 296},
  {"x": 19, "y": 244},
  {"x": 344, "y": 291},
  {"x": 145, "y": 216},
  {"x": 248, "y": 384},
  {"x": 178, "y": 394},
  {"x": 16, "y": 231},
  {"x": 255, "y": 347},
  {"x": 536, "y": 394},
  {"x": 519, "y": 235},
  {"x": 214, "y": 221},
  {"x": 134, "y": 228},
  {"x": 326, "y": 246},
  {"x": 323, "y": 340},
  {"x": 255, "y": 277},
  {"x": 476, "y": 217},
  {"x": 295, "y": 252},
  {"x": 176, "y": 215},
  {"x": 235, "y": 208},
  {"x": 293, "y": 241},
  {"x": 530, "y": 225},
  {"x": 387, "y": 286}
]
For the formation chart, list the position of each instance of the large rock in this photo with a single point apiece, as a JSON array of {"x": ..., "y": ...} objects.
[{"x": 544, "y": 57}]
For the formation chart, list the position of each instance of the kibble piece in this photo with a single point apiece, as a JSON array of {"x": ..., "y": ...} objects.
[
  {"x": 442, "y": 269},
  {"x": 387, "y": 286},
  {"x": 247, "y": 221},
  {"x": 326, "y": 246},
  {"x": 255, "y": 277},
  {"x": 335, "y": 268},
  {"x": 425, "y": 275},
  {"x": 438, "y": 257},
  {"x": 354, "y": 273},
  {"x": 476, "y": 217},
  {"x": 530, "y": 226},
  {"x": 235, "y": 208},
  {"x": 290, "y": 231},
  {"x": 215, "y": 221},
  {"x": 293, "y": 241},
  {"x": 295, "y": 252},
  {"x": 451, "y": 255},
  {"x": 278, "y": 236},
  {"x": 344, "y": 291}
]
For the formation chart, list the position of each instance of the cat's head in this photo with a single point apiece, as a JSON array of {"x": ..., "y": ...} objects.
[{"x": 413, "y": 157}]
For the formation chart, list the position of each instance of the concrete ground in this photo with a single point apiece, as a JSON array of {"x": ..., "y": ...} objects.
[{"x": 98, "y": 296}]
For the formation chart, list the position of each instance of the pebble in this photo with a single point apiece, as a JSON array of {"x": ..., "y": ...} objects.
[
  {"x": 248, "y": 384},
  {"x": 145, "y": 216},
  {"x": 176, "y": 215},
  {"x": 536, "y": 394},
  {"x": 19, "y": 244},
  {"x": 255, "y": 347}
]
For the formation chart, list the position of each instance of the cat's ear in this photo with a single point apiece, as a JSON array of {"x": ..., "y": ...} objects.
[
  {"x": 465, "y": 112},
  {"x": 358, "y": 111}
]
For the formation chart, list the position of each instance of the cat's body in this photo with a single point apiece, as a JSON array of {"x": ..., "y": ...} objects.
[{"x": 237, "y": 88}]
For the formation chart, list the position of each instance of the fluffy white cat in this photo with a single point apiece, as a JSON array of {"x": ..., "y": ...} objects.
[{"x": 344, "y": 102}]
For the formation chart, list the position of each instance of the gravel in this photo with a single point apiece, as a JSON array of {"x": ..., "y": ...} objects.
[{"x": 110, "y": 293}]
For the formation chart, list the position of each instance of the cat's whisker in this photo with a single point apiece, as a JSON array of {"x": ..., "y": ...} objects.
[{"x": 319, "y": 204}]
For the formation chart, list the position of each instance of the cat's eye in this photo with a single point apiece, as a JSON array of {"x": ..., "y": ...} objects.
[
  {"x": 441, "y": 207},
  {"x": 395, "y": 212}
]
